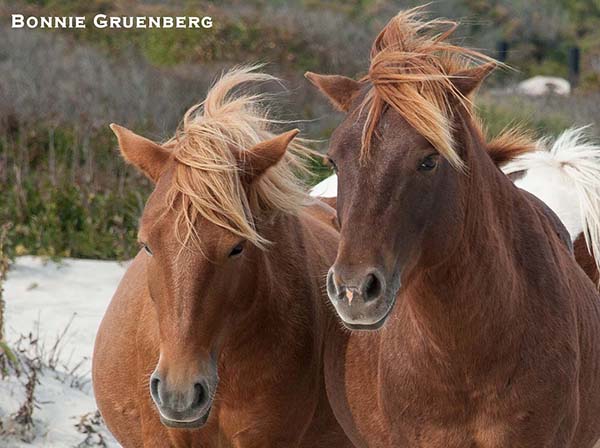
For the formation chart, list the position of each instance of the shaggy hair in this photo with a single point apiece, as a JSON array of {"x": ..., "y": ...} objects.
[
  {"x": 411, "y": 71},
  {"x": 510, "y": 144},
  {"x": 209, "y": 148}
]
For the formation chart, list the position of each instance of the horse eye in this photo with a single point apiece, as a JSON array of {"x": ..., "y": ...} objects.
[
  {"x": 147, "y": 249},
  {"x": 428, "y": 163},
  {"x": 237, "y": 250}
]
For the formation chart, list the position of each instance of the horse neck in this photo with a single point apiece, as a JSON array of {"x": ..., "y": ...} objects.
[{"x": 468, "y": 303}]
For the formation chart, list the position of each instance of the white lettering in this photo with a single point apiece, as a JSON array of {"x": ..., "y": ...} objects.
[
  {"x": 207, "y": 22},
  {"x": 32, "y": 22},
  {"x": 45, "y": 22},
  {"x": 105, "y": 21},
  {"x": 100, "y": 21},
  {"x": 60, "y": 22},
  {"x": 18, "y": 21}
]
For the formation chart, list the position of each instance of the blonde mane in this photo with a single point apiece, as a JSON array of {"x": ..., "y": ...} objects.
[
  {"x": 412, "y": 67},
  {"x": 509, "y": 144},
  {"x": 208, "y": 146}
]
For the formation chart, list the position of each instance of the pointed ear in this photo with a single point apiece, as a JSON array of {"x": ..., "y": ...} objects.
[
  {"x": 263, "y": 156},
  {"x": 339, "y": 89},
  {"x": 466, "y": 81},
  {"x": 147, "y": 156}
]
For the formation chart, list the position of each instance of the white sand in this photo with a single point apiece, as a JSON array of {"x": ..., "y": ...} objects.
[{"x": 54, "y": 294}]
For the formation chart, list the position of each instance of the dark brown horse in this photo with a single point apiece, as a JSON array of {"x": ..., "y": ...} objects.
[
  {"x": 216, "y": 334},
  {"x": 488, "y": 330},
  {"x": 565, "y": 176}
]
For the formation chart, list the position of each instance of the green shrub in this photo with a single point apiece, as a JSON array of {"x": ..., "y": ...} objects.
[
  {"x": 68, "y": 198},
  {"x": 319, "y": 171},
  {"x": 66, "y": 221}
]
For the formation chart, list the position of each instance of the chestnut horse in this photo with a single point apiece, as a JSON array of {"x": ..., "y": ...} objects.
[
  {"x": 488, "y": 330},
  {"x": 216, "y": 334}
]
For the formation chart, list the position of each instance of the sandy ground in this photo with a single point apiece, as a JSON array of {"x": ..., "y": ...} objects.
[{"x": 43, "y": 299}]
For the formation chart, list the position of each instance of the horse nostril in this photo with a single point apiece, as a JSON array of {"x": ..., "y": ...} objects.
[
  {"x": 154, "y": 384},
  {"x": 332, "y": 288},
  {"x": 372, "y": 287},
  {"x": 200, "y": 395}
]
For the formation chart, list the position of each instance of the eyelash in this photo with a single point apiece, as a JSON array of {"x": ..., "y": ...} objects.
[
  {"x": 332, "y": 164},
  {"x": 146, "y": 248}
]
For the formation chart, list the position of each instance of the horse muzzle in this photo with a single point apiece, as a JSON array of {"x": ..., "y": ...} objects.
[
  {"x": 185, "y": 407},
  {"x": 362, "y": 301}
]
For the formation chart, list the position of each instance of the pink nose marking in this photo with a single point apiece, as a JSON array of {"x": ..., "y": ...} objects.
[{"x": 349, "y": 295}]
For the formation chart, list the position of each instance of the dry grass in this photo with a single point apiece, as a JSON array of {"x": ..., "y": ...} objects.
[
  {"x": 4, "y": 263},
  {"x": 89, "y": 425}
]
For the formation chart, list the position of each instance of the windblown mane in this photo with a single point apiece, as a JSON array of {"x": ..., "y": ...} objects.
[
  {"x": 210, "y": 141},
  {"x": 412, "y": 67},
  {"x": 510, "y": 144}
]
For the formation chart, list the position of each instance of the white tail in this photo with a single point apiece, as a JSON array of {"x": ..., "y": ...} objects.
[{"x": 566, "y": 175}]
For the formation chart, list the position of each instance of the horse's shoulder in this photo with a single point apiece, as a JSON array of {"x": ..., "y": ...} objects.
[
  {"x": 552, "y": 218},
  {"x": 585, "y": 259}
]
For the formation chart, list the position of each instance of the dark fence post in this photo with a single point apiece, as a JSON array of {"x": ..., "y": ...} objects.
[
  {"x": 502, "y": 50},
  {"x": 574, "y": 57}
]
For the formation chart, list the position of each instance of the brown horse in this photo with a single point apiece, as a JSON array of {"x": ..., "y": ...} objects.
[
  {"x": 565, "y": 176},
  {"x": 219, "y": 326},
  {"x": 488, "y": 331}
]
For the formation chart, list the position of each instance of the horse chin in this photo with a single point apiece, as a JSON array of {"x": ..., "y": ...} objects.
[
  {"x": 365, "y": 327},
  {"x": 370, "y": 324},
  {"x": 193, "y": 424}
]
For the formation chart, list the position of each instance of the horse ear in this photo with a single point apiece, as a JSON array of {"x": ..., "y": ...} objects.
[
  {"x": 263, "y": 156},
  {"x": 466, "y": 81},
  {"x": 147, "y": 156},
  {"x": 339, "y": 89}
]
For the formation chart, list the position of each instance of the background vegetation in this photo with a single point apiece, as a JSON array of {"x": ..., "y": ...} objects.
[{"x": 63, "y": 187}]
